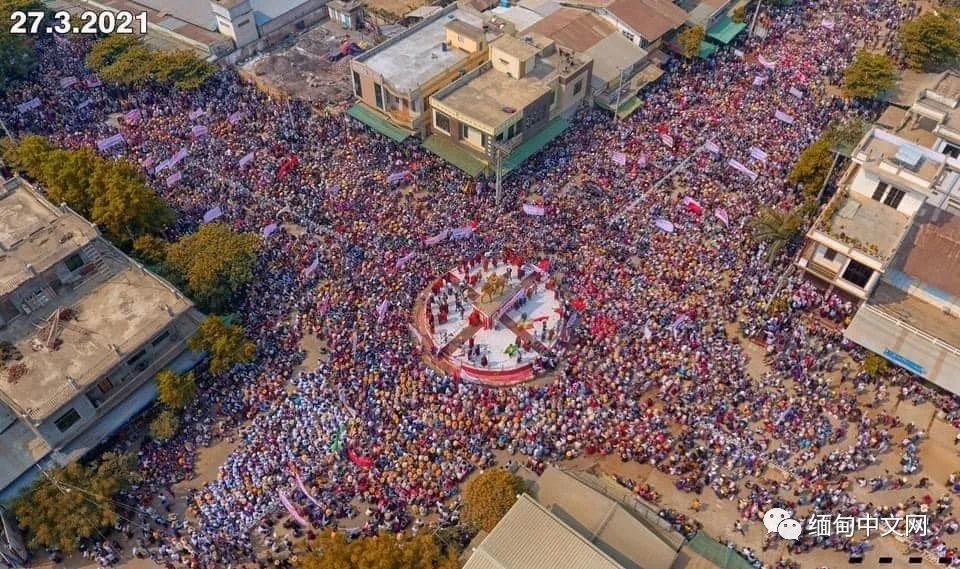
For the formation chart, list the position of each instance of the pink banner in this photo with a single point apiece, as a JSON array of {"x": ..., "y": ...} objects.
[
  {"x": 198, "y": 131},
  {"x": 294, "y": 513},
  {"x": 404, "y": 260},
  {"x": 723, "y": 216},
  {"x": 195, "y": 114},
  {"x": 619, "y": 158},
  {"x": 68, "y": 82},
  {"x": 438, "y": 238},
  {"x": 536, "y": 210},
  {"x": 303, "y": 488},
  {"x": 711, "y": 147},
  {"x": 783, "y": 117},
  {"x": 236, "y": 117},
  {"x": 737, "y": 165},
  {"x": 180, "y": 155},
  {"x": 766, "y": 62},
  {"x": 132, "y": 117},
  {"x": 667, "y": 140},
  {"x": 92, "y": 81},
  {"x": 172, "y": 179},
  {"x": 382, "y": 310},
  {"x": 248, "y": 158},
  {"x": 110, "y": 142}
]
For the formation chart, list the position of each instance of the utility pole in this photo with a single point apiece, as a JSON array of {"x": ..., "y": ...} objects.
[
  {"x": 616, "y": 108},
  {"x": 499, "y": 173},
  {"x": 753, "y": 24},
  {"x": 823, "y": 186}
]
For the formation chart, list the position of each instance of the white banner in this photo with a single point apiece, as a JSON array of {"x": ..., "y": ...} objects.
[
  {"x": 531, "y": 209},
  {"x": 782, "y": 116},
  {"x": 711, "y": 147},
  {"x": 29, "y": 105},
  {"x": 172, "y": 179},
  {"x": 796, "y": 92},
  {"x": 667, "y": 139},
  {"x": 438, "y": 238},
  {"x": 619, "y": 158},
  {"x": 766, "y": 62},
  {"x": 68, "y": 82},
  {"x": 738, "y": 166},
  {"x": 758, "y": 154},
  {"x": 110, "y": 142}
]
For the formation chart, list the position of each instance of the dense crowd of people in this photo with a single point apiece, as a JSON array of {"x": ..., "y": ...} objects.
[{"x": 654, "y": 371}]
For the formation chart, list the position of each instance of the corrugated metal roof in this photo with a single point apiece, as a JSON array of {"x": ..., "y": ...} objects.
[{"x": 530, "y": 537}]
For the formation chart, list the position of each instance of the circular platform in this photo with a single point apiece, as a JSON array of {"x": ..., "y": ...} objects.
[{"x": 495, "y": 319}]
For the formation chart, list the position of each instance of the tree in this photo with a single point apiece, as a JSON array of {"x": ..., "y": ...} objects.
[
  {"x": 184, "y": 70},
  {"x": 776, "y": 227},
  {"x": 67, "y": 175},
  {"x": 331, "y": 550},
  {"x": 869, "y": 75},
  {"x": 931, "y": 41},
  {"x": 689, "y": 40},
  {"x": 846, "y": 133},
  {"x": 150, "y": 249},
  {"x": 488, "y": 496},
  {"x": 18, "y": 59},
  {"x": 127, "y": 61},
  {"x": 28, "y": 154},
  {"x": 214, "y": 263},
  {"x": 165, "y": 425},
  {"x": 812, "y": 166},
  {"x": 226, "y": 344},
  {"x": 69, "y": 503},
  {"x": 134, "y": 66},
  {"x": 123, "y": 204},
  {"x": 874, "y": 365},
  {"x": 739, "y": 14},
  {"x": 176, "y": 390},
  {"x": 106, "y": 51}
]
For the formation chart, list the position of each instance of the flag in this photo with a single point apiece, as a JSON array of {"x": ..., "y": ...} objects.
[
  {"x": 404, "y": 260},
  {"x": 172, "y": 179},
  {"x": 68, "y": 82},
  {"x": 269, "y": 230},
  {"x": 664, "y": 225},
  {"x": 292, "y": 510},
  {"x": 398, "y": 176},
  {"x": 782, "y": 116},
  {"x": 619, "y": 158},
  {"x": 667, "y": 140},
  {"x": 382, "y": 310},
  {"x": 758, "y": 154},
  {"x": 438, "y": 238},
  {"x": 736, "y": 164},
  {"x": 313, "y": 267},
  {"x": 827, "y": 23},
  {"x": 195, "y": 114},
  {"x": 109, "y": 142},
  {"x": 711, "y": 147},
  {"x": 212, "y": 213},
  {"x": 722, "y": 216},
  {"x": 247, "y": 158},
  {"x": 364, "y": 462},
  {"x": 29, "y": 105},
  {"x": 796, "y": 92},
  {"x": 199, "y": 130},
  {"x": 692, "y": 205},
  {"x": 132, "y": 117},
  {"x": 531, "y": 209},
  {"x": 766, "y": 62},
  {"x": 236, "y": 117},
  {"x": 337, "y": 443}
]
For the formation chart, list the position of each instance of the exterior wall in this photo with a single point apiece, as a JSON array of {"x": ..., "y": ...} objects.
[
  {"x": 537, "y": 114},
  {"x": 314, "y": 8},
  {"x": 463, "y": 43},
  {"x": 864, "y": 185},
  {"x": 506, "y": 63},
  {"x": 567, "y": 100}
]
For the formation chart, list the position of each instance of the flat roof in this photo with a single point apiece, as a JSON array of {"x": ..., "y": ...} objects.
[
  {"x": 917, "y": 313},
  {"x": 869, "y": 222},
  {"x": 613, "y": 53},
  {"x": 120, "y": 305},
  {"x": 882, "y": 146},
  {"x": 531, "y": 537},
  {"x": 517, "y": 47},
  {"x": 464, "y": 29},
  {"x": 413, "y": 59},
  {"x": 485, "y": 97},
  {"x": 521, "y": 18},
  {"x": 931, "y": 250},
  {"x": 35, "y": 233}
]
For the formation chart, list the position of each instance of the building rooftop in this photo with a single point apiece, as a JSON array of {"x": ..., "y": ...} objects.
[
  {"x": 865, "y": 224},
  {"x": 521, "y": 18},
  {"x": 492, "y": 97},
  {"x": 922, "y": 315},
  {"x": 531, "y": 537},
  {"x": 931, "y": 245},
  {"x": 650, "y": 18},
  {"x": 520, "y": 48},
  {"x": 115, "y": 310},
  {"x": 575, "y": 29},
  {"x": 910, "y": 162},
  {"x": 464, "y": 29},
  {"x": 542, "y": 7},
  {"x": 413, "y": 58},
  {"x": 34, "y": 235},
  {"x": 612, "y": 54}
]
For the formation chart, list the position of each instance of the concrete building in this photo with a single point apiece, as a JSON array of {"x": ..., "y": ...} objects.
[
  {"x": 511, "y": 106},
  {"x": 646, "y": 23},
  {"x": 573, "y": 519},
  {"x": 83, "y": 330},
  {"x": 394, "y": 81},
  {"x": 347, "y": 13},
  {"x": 891, "y": 236}
]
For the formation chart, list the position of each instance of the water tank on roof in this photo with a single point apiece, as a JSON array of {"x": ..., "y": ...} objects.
[{"x": 504, "y": 3}]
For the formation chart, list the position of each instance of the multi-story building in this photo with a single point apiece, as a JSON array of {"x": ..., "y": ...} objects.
[
  {"x": 394, "y": 81},
  {"x": 511, "y": 106},
  {"x": 83, "y": 330},
  {"x": 891, "y": 236}
]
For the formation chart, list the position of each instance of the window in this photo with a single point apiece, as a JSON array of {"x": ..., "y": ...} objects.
[
  {"x": 830, "y": 255},
  {"x": 160, "y": 338},
  {"x": 878, "y": 193},
  {"x": 357, "y": 88},
  {"x": 378, "y": 93},
  {"x": 857, "y": 273},
  {"x": 894, "y": 196},
  {"x": 105, "y": 385},
  {"x": 243, "y": 23},
  {"x": 577, "y": 86},
  {"x": 464, "y": 131},
  {"x": 628, "y": 35},
  {"x": 73, "y": 262},
  {"x": 67, "y": 420},
  {"x": 951, "y": 151},
  {"x": 136, "y": 357},
  {"x": 441, "y": 122}
]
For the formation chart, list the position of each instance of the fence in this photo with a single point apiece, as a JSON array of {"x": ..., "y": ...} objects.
[{"x": 717, "y": 553}]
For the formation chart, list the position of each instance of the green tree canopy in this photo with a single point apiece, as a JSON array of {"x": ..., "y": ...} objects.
[
  {"x": 165, "y": 425},
  {"x": 18, "y": 59},
  {"x": 776, "y": 227},
  {"x": 214, "y": 263},
  {"x": 812, "y": 166},
  {"x": 127, "y": 61},
  {"x": 382, "y": 551},
  {"x": 226, "y": 344},
  {"x": 875, "y": 365},
  {"x": 869, "y": 75},
  {"x": 176, "y": 390},
  {"x": 689, "y": 40},
  {"x": 70, "y": 503},
  {"x": 488, "y": 496},
  {"x": 152, "y": 250},
  {"x": 931, "y": 41},
  {"x": 111, "y": 193}
]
